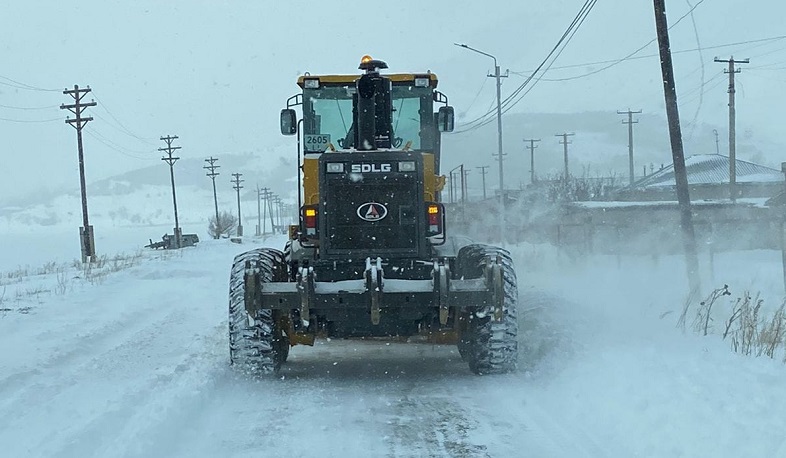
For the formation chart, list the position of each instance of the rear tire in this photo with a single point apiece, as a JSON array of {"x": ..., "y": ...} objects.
[
  {"x": 490, "y": 346},
  {"x": 257, "y": 345}
]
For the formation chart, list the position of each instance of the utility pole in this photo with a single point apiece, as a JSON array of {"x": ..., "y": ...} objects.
[
  {"x": 630, "y": 122},
  {"x": 483, "y": 172},
  {"x": 237, "y": 187},
  {"x": 277, "y": 209},
  {"x": 500, "y": 155},
  {"x": 732, "y": 125},
  {"x": 86, "y": 237},
  {"x": 675, "y": 135},
  {"x": 717, "y": 142},
  {"x": 531, "y": 147},
  {"x": 262, "y": 195},
  {"x": 565, "y": 143},
  {"x": 464, "y": 188},
  {"x": 270, "y": 198},
  {"x": 211, "y": 168},
  {"x": 169, "y": 149},
  {"x": 259, "y": 213}
]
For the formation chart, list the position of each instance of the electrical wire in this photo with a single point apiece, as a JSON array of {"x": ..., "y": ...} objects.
[
  {"x": 692, "y": 122},
  {"x": 31, "y": 120},
  {"x": 509, "y": 101},
  {"x": 50, "y": 107},
  {"x": 114, "y": 146},
  {"x": 122, "y": 127},
  {"x": 19, "y": 85}
]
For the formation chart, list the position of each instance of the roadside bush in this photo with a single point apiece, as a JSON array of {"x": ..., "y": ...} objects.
[
  {"x": 749, "y": 328},
  {"x": 224, "y": 225}
]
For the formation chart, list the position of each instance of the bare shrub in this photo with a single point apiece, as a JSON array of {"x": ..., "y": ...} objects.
[
  {"x": 701, "y": 323},
  {"x": 748, "y": 328},
  {"x": 62, "y": 283},
  {"x": 224, "y": 225},
  {"x": 772, "y": 334}
]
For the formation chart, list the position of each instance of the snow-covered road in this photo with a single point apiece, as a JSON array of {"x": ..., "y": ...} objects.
[{"x": 136, "y": 365}]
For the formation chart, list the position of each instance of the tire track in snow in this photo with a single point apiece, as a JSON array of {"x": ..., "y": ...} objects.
[
  {"x": 99, "y": 379},
  {"x": 58, "y": 369}
]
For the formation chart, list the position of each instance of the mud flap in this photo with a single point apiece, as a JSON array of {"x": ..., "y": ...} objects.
[
  {"x": 305, "y": 286},
  {"x": 496, "y": 285},
  {"x": 442, "y": 288},
  {"x": 375, "y": 280},
  {"x": 251, "y": 288}
]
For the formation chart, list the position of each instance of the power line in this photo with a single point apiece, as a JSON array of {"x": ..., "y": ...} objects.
[
  {"x": 565, "y": 38},
  {"x": 49, "y": 107},
  {"x": 116, "y": 147},
  {"x": 31, "y": 120},
  {"x": 647, "y": 56},
  {"x": 123, "y": 128},
  {"x": 19, "y": 85}
]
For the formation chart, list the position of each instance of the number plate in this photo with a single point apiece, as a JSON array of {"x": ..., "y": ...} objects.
[{"x": 316, "y": 143}]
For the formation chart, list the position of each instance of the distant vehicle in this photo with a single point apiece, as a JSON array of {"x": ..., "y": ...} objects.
[{"x": 168, "y": 242}]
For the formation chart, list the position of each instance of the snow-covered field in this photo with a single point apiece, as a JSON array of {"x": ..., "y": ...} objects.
[{"x": 131, "y": 360}]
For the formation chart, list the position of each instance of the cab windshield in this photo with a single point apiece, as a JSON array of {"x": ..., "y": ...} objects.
[{"x": 328, "y": 110}]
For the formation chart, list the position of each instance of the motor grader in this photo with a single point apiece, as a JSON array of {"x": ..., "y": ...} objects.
[{"x": 371, "y": 256}]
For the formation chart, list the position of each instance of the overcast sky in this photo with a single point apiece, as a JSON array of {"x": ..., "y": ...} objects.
[{"x": 216, "y": 73}]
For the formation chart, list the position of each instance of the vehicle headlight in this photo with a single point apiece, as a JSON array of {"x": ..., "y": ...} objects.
[
  {"x": 335, "y": 167},
  {"x": 421, "y": 82},
  {"x": 406, "y": 166},
  {"x": 311, "y": 83}
]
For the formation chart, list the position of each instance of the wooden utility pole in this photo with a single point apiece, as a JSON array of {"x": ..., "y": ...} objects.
[
  {"x": 213, "y": 174},
  {"x": 86, "y": 236},
  {"x": 675, "y": 135},
  {"x": 732, "y": 125},
  {"x": 262, "y": 195},
  {"x": 270, "y": 198},
  {"x": 630, "y": 122},
  {"x": 258, "y": 232},
  {"x": 783, "y": 228},
  {"x": 483, "y": 172},
  {"x": 565, "y": 143},
  {"x": 237, "y": 187},
  {"x": 531, "y": 147},
  {"x": 464, "y": 191},
  {"x": 169, "y": 159}
]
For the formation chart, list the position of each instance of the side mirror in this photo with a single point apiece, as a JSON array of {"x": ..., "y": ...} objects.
[
  {"x": 445, "y": 119},
  {"x": 288, "y": 121}
]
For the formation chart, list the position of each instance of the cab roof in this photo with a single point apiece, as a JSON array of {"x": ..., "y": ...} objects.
[{"x": 348, "y": 79}]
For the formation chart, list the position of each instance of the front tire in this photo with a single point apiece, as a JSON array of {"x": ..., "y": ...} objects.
[
  {"x": 258, "y": 344},
  {"x": 490, "y": 346}
]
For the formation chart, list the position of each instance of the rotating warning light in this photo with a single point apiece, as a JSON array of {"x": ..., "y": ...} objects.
[{"x": 365, "y": 59}]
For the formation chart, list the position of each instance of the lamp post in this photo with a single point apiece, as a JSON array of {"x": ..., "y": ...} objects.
[{"x": 499, "y": 154}]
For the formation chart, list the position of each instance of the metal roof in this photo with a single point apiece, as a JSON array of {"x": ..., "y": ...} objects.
[{"x": 711, "y": 169}]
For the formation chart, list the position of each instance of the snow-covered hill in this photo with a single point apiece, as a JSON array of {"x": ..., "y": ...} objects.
[{"x": 143, "y": 197}]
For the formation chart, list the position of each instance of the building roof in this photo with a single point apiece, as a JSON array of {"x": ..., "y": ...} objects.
[{"x": 711, "y": 169}]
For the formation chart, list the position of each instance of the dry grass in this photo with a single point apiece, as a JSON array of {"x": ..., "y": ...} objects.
[
  {"x": 748, "y": 327},
  {"x": 30, "y": 285}
]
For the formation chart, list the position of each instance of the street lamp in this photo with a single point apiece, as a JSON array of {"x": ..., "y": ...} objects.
[{"x": 497, "y": 77}]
